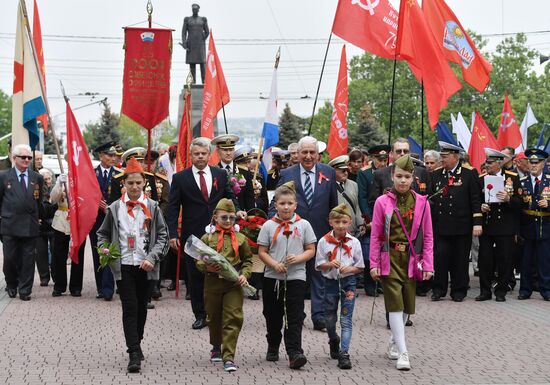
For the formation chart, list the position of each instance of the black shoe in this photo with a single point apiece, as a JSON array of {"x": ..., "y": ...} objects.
[
  {"x": 171, "y": 286},
  {"x": 334, "y": 348},
  {"x": 343, "y": 361},
  {"x": 199, "y": 324},
  {"x": 500, "y": 298},
  {"x": 108, "y": 298},
  {"x": 546, "y": 298},
  {"x": 12, "y": 293},
  {"x": 272, "y": 354},
  {"x": 436, "y": 297},
  {"x": 141, "y": 356},
  {"x": 156, "y": 294},
  {"x": 57, "y": 293},
  {"x": 521, "y": 297},
  {"x": 297, "y": 361},
  {"x": 187, "y": 296},
  {"x": 99, "y": 296},
  {"x": 23, "y": 297},
  {"x": 255, "y": 297},
  {"x": 476, "y": 273},
  {"x": 409, "y": 322},
  {"x": 379, "y": 290},
  {"x": 76, "y": 293},
  {"x": 319, "y": 325},
  {"x": 483, "y": 297},
  {"x": 458, "y": 299},
  {"x": 150, "y": 306},
  {"x": 421, "y": 293},
  {"x": 134, "y": 365},
  {"x": 44, "y": 282}
]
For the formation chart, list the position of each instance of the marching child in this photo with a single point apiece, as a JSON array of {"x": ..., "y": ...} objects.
[
  {"x": 339, "y": 258},
  {"x": 286, "y": 243},
  {"x": 223, "y": 299},
  {"x": 136, "y": 225}
]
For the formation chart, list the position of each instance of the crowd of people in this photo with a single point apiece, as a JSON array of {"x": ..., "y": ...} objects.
[{"x": 380, "y": 219}]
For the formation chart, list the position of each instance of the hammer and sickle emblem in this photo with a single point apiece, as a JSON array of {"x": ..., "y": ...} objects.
[
  {"x": 76, "y": 152},
  {"x": 367, "y": 5},
  {"x": 212, "y": 65},
  {"x": 505, "y": 122}
]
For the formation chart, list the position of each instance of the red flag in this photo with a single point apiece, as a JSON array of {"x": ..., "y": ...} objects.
[
  {"x": 338, "y": 137},
  {"x": 370, "y": 25},
  {"x": 457, "y": 45},
  {"x": 216, "y": 94},
  {"x": 37, "y": 39},
  {"x": 183, "y": 156},
  {"x": 84, "y": 193},
  {"x": 417, "y": 45},
  {"x": 508, "y": 132},
  {"x": 482, "y": 138}
]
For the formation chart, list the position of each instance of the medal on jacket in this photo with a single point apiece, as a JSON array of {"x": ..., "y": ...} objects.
[
  {"x": 546, "y": 193},
  {"x": 36, "y": 191}
]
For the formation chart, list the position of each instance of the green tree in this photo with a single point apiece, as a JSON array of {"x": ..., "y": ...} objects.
[
  {"x": 5, "y": 120},
  {"x": 366, "y": 132},
  {"x": 132, "y": 134},
  {"x": 291, "y": 127},
  {"x": 103, "y": 131},
  {"x": 321, "y": 122}
]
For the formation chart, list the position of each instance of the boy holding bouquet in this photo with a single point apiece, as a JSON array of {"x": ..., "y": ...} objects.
[
  {"x": 339, "y": 258},
  {"x": 135, "y": 225},
  {"x": 286, "y": 243},
  {"x": 223, "y": 300}
]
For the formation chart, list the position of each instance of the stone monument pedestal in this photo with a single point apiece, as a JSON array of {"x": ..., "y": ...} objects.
[{"x": 197, "y": 91}]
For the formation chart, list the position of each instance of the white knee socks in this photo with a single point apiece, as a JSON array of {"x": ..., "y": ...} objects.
[{"x": 397, "y": 325}]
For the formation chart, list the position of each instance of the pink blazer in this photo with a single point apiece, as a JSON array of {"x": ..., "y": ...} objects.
[{"x": 380, "y": 233}]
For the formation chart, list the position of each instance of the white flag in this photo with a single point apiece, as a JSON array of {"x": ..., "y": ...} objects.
[
  {"x": 528, "y": 120},
  {"x": 461, "y": 130}
]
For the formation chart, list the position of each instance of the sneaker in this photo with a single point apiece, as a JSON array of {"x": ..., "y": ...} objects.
[
  {"x": 403, "y": 362},
  {"x": 334, "y": 348},
  {"x": 215, "y": 355},
  {"x": 344, "y": 361},
  {"x": 393, "y": 353},
  {"x": 297, "y": 361},
  {"x": 229, "y": 366},
  {"x": 272, "y": 354}
]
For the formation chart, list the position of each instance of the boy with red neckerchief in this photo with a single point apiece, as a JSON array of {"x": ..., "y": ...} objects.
[
  {"x": 285, "y": 243},
  {"x": 339, "y": 258}
]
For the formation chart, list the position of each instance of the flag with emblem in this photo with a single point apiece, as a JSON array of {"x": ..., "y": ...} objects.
[
  {"x": 27, "y": 101},
  {"x": 457, "y": 45},
  {"x": 508, "y": 131},
  {"x": 185, "y": 136},
  {"x": 338, "y": 135},
  {"x": 482, "y": 138},
  {"x": 84, "y": 193}
]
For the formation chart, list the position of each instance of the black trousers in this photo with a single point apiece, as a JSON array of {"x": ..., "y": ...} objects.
[
  {"x": 105, "y": 284},
  {"x": 495, "y": 251},
  {"x": 274, "y": 310},
  {"x": 134, "y": 290},
  {"x": 19, "y": 256},
  {"x": 44, "y": 245},
  {"x": 59, "y": 264},
  {"x": 452, "y": 258},
  {"x": 195, "y": 286}
]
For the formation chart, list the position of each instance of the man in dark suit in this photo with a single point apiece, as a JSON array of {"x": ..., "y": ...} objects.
[
  {"x": 243, "y": 156},
  {"x": 105, "y": 172},
  {"x": 21, "y": 208},
  {"x": 196, "y": 191},
  {"x": 316, "y": 194},
  {"x": 456, "y": 216}
]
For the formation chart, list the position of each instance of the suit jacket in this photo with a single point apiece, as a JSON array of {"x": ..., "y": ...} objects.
[
  {"x": 246, "y": 196},
  {"x": 325, "y": 196},
  {"x": 364, "y": 185},
  {"x": 535, "y": 221},
  {"x": 20, "y": 211},
  {"x": 196, "y": 212},
  {"x": 382, "y": 181}
]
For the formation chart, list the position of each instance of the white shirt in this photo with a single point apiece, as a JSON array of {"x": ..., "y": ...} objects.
[
  {"x": 355, "y": 259},
  {"x": 207, "y": 176},
  {"x": 170, "y": 167},
  {"x": 311, "y": 177},
  {"x": 224, "y": 166},
  {"x": 26, "y": 173},
  {"x": 533, "y": 180},
  {"x": 103, "y": 169},
  {"x": 129, "y": 226}
]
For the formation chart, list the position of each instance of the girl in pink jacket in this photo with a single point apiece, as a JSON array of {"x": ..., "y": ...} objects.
[{"x": 401, "y": 250}]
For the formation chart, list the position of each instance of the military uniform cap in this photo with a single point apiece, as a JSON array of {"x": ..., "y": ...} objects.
[
  {"x": 106, "y": 148},
  {"x": 225, "y": 141},
  {"x": 281, "y": 155},
  {"x": 138, "y": 153},
  {"x": 340, "y": 162},
  {"x": 290, "y": 185},
  {"x": 226, "y": 205},
  {"x": 491, "y": 153},
  {"x": 342, "y": 209},
  {"x": 405, "y": 163},
  {"x": 380, "y": 150},
  {"x": 242, "y": 154},
  {"x": 536, "y": 155},
  {"x": 448, "y": 148},
  {"x": 321, "y": 146},
  {"x": 119, "y": 149}
]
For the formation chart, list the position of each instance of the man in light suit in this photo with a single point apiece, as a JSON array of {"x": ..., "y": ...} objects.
[
  {"x": 316, "y": 195},
  {"x": 20, "y": 209},
  {"x": 196, "y": 191}
]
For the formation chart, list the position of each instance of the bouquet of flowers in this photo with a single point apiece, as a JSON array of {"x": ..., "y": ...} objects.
[
  {"x": 107, "y": 254},
  {"x": 237, "y": 182},
  {"x": 250, "y": 228},
  {"x": 196, "y": 249}
]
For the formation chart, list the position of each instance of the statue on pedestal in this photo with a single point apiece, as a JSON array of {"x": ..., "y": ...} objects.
[{"x": 193, "y": 35}]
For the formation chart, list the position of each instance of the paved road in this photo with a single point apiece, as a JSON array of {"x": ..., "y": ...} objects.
[{"x": 80, "y": 341}]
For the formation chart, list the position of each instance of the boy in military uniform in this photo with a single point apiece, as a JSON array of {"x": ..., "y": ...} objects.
[{"x": 223, "y": 300}]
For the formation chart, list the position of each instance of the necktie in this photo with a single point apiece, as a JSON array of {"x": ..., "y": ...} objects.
[
  {"x": 308, "y": 189},
  {"x": 204, "y": 189},
  {"x": 536, "y": 189},
  {"x": 228, "y": 168},
  {"x": 23, "y": 184},
  {"x": 105, "y": 176}
]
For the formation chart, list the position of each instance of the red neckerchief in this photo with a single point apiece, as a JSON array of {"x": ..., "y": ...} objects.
[
  {"x": 283, "y": 225},
  {"x": 340, "y": 242},
  {"x": 131, "y": 204},
  {"x": 231, "y": 232}
]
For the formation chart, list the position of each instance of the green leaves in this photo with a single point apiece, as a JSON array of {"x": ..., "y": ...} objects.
[{"x": 107, "y": 253}]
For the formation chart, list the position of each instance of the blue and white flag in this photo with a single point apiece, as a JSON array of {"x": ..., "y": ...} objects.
[
  {"x": 270, "y": 131},
  {"x": 27, "y": 101}
]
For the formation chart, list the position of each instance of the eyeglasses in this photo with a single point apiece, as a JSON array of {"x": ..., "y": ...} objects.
[
  {"x": 24, "y": 157},
  {"x": 225, "y": 218},
  {"x": 402, "y": 151}
]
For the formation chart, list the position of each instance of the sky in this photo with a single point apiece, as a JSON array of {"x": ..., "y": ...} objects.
[{"x": 83, "y": 46}]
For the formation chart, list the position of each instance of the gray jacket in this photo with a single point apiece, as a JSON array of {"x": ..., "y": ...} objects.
[{"x": 158, "y": 246}]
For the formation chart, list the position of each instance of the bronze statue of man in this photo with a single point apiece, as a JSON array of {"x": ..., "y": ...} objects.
[{"x": 193, "y": 35}]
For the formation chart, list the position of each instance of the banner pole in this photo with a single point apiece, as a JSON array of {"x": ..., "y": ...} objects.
[
  {"x": 392, "y": 99},
  {"x": 422, "y": 119},
  {"x": 319, "y": 84}
]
